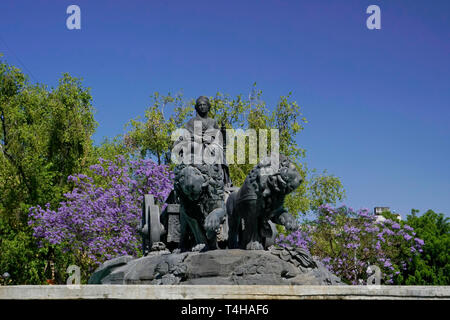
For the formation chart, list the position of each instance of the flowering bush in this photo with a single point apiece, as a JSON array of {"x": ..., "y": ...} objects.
[
  {"x": 99, "y": 218},
  {"x": 299, "y": 238},
  {"x": 348, "y": 242}
]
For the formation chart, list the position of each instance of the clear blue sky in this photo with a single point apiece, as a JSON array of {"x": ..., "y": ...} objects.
[{"x": 377, "y": 101}]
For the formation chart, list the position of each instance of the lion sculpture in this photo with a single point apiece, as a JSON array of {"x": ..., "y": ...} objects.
[
  {"x": 200, "y": 190},
  {"x": 260, "y": 200}
]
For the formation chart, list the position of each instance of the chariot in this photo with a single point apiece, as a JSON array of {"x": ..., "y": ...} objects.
[{"x": 164, "y": 225}]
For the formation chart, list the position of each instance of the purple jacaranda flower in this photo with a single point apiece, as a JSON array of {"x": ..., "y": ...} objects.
[
  {"x": 395, "y": 226},
  {"x": 406, "y": 227},
  {"x": 100, "y": 216},
  {"x": 351, "y": 240},
  {"x": 407, "y": 237},
  {"x": 420, "y": 242}
]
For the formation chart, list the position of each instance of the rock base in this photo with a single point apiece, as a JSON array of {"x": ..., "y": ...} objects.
[{"x": 275, "y": 266}]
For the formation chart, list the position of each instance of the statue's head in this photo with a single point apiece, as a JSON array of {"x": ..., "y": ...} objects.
[
  {"x": 202, "y": 106},
  {"x": 291, "y": 178},
  {"x": 191, "y": 182},
  {"x": 287, "y": 178}
]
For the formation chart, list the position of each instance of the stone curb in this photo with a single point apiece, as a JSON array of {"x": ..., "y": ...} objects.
[{"x": 244, "y": 292}]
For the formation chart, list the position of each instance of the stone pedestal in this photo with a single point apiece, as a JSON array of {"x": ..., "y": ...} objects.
[{"x": 217, "y": 267}]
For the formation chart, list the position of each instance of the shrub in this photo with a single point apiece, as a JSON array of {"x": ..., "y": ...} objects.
[{"x": 348, "y": 242}]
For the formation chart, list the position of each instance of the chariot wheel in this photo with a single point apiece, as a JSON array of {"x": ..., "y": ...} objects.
[{"x": 152, "y": 226}]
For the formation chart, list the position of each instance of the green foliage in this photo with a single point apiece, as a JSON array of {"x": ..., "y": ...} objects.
[
  {"x": 45, "y": 135},
  {"x": 323, "y": 189},
  {"x": 18, "y": 248},
  {"x": 153, "y": 137},
  {"x": 432, "y": 267},
  {"x": 109, "y": 149},
  {"x": 27, "y": 263}
]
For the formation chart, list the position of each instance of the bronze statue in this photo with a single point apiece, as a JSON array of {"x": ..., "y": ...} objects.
[
  {"x": 200, "y": 187},
  {"x": 260, "y": 200},
  {"x": 195, "y": 210},
  {"x": 201, "y": 190}
]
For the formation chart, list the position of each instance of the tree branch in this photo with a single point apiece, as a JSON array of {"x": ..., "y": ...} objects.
[{"x": 10, "y": 157}]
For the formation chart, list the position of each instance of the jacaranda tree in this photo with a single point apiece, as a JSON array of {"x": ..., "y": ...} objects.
[
  {"x": 349, "y": 241},
  {"x": 99, "y": 218}
]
